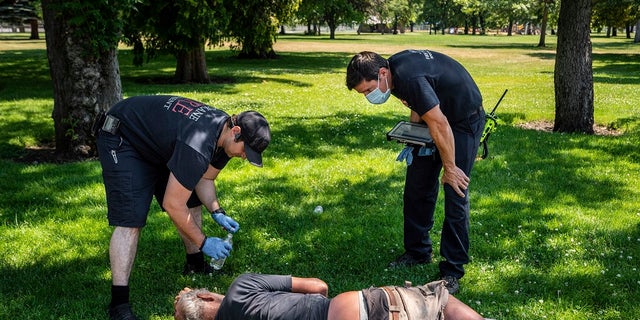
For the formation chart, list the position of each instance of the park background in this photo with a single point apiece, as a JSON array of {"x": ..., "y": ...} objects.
[{"x": 555, "y": 230}]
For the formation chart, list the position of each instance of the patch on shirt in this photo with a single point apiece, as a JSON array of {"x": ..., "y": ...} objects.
[{"x": 427, "y": 54}]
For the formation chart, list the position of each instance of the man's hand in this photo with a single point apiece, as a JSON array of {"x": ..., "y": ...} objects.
[
  {"x": 216, "y": 248},
  {"x": 225, "y": 221},
  {"x": 457, "y": 179}
]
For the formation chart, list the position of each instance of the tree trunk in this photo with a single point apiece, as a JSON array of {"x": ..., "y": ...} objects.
[
  {"x": 332, "y": 28},
  {"x": 191, "y": 66},
  {"x": 474, "y": 24},
  {"x": 35, "y": 35},
  {"x": 636, "y": 38},
  {"x": 395, "y": 24},
  {"x": 82, "y": 85},
  {"x": 543, "y": 27},
  {"x": 573, "y": 69}
]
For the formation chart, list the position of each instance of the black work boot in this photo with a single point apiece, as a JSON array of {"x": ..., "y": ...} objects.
[{"x": 121, "y": 312}]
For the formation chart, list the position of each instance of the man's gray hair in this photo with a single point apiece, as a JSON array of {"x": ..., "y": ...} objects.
[{"x": 191, "y": 306}]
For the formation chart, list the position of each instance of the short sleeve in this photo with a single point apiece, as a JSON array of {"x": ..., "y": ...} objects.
[{"x": 187, "y": 165}]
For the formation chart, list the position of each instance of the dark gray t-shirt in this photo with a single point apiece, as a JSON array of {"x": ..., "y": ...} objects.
[
  {"x": 269, "y": 297},
  {"x": 175, "y": 132},
  {"x": 426, "y": 78}
]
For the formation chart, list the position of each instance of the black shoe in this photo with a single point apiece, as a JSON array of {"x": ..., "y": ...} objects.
[
  {"x": 408, "y": 260},
  {"x": 203, "y": 268},
  {"x": 121, "y": 312},
  {"x": 451, "y": 283}
]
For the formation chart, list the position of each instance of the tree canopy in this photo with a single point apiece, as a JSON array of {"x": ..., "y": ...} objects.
[
  {"x": 255, "y": 24},
  {"x": 180, "y": 27},
  {"x": 18, "y": 12}
]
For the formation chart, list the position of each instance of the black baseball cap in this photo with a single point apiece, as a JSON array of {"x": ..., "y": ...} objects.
[{"x": 256, "y": 135}]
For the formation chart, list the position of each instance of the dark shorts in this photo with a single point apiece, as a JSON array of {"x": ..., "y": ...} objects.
[{"x": 130, "y": 182}]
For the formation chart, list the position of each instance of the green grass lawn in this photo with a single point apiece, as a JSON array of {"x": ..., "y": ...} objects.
[{"x": 555, "y": 218}]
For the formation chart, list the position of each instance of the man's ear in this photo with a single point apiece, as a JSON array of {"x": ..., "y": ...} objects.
[
  {"x": 236, "y": 133},
  {"x": 206, "y": 296},
  {"x": 383, "y": 71}
]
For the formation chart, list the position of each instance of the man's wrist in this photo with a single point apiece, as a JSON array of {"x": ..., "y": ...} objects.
[
  {"x": 219, "y": 210},
  {"x": 203, "y": 242}
]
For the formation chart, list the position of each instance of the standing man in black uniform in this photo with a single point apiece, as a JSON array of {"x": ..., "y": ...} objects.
[
  {"x": 442, "y": 94},
  {"x": 172, "y": 148}
]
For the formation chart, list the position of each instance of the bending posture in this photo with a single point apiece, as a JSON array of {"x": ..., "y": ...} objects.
[
  {"x": 442, "y": 94},
  {"x": 265, "y": 297},
  {"x": 173, "y": 148}
]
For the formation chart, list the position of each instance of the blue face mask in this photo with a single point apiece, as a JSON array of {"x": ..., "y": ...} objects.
[{"x": 377, "y": 96}]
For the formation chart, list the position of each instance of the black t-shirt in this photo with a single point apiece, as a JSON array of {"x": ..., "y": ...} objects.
[
  {"x": 426, "y": 78},
  {"x": 269, "y": 297},
  {"x": 175, "y": 132}
]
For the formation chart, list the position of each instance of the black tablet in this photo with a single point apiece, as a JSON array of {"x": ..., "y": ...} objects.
[{"x": 412, "y": 133}]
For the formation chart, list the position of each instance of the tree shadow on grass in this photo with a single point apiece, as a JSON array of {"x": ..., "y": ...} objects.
[
  {"x": 343, "y": 132},
  {"x": 619, "y": 68},
  {"x": 528, "y": 175},
  {"x": 350, "y": 244}
]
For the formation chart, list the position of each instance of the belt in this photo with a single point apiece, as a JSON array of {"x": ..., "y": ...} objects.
[{"x": 393, "y": 299}]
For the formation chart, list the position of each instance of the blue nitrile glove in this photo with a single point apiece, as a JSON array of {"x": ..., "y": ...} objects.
[
  {"x": 220, "y": 216},
  {"x": 406, "y": 153},
  {"x": 215, "y": 248},
  {"x": 425, "y": 151}
]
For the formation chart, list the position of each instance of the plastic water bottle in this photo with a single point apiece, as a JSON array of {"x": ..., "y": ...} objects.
[{"x": 217, "y": 264}]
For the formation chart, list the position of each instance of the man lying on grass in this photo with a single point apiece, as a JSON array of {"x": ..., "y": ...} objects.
[{"x": 265, "y": 297}]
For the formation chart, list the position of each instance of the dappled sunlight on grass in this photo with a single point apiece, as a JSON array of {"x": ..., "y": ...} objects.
[{"x": 555, "y": 224}]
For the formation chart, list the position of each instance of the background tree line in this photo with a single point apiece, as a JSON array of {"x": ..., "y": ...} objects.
[{"x": 82, "y": 38}]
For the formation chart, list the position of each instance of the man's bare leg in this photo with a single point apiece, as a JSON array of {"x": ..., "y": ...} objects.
[{"x": 122, "y": 253}]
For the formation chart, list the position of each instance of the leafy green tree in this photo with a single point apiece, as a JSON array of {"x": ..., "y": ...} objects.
[
  {"x": 404, "y": 13},
  {"x": 331, "y": 12},
  {"x": 310, "y": 13},
  {"x": 473, "y": 15},
  {"x": 501, "y": 15},
  {"x": 255, "y": 24},
  {"x": 180, "y": 27},
  {"x": 573, "y": 75},
  {"x": 608, "y": 13},
  {"x": 546, "y": 7},
  {"x": 615, "y": 14},
  {"x": 380, "y": 10},
  {"x": 442, "y": 13},
  {"x": 415, "y": 9},
  {"x": 82, "y": 39},
  {"x": 508, "y": 14},
  {"x": 17, "y": 12}
]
